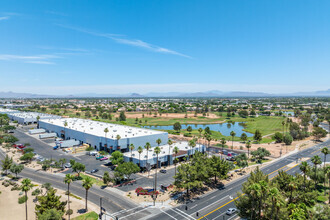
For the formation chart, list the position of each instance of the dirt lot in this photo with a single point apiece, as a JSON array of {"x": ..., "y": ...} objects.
[{"x": 11, "y": 210}]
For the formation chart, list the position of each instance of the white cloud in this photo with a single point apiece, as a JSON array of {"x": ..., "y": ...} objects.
[
  {"x": 4, "y": 18},
  {"x": 121, "y": 39},
  {"x": 36, "y": 59}
]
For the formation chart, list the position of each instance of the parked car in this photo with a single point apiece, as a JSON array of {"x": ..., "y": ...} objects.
[
  {"x": 231, "y": 211},
  {"x": 20, "y": 146},
  {"x": 67, "y": 165},
  {"x": 225, "y": 152},
  {"x": 162, "y": 171},
  {"x": 104, "y": 158},
  {"x": 94, "y": 171},
  {"x": 55, "y": 148},
  {"x": 99, "y": 157},
  {"x": 93, "y": 153}
]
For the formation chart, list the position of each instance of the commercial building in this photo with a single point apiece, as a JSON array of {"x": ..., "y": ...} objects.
[
  {"x": 166, "y": 155},
  {"x": 118, "y": 137},
  {"x": 8, "y": 111},
  {"x": 30, "y": 117}
]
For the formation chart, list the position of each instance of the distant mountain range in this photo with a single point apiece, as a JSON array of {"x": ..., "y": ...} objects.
[{"x": 213, "y": 93}]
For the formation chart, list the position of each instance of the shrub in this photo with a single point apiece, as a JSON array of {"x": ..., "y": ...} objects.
[
  {"x": 22, "y": 199},
  {"x": 36, "y": 192},
  {"x": 287, "y": 139},
  {"x": 69, "y": 212},
  {"x": 187, "y": 135}
]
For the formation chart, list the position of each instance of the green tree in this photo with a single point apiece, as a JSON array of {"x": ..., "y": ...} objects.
[
  {"x": 304, "y": 167},
  {"x": 175, "y": 151},
  {"x": 140, "y": 150},
  {"x": 106, "y": 178},
  {"x": 127, "y": 169},
  {"x": 87, "y": 184},
  {"x": 189, "y": 129},
  {"x": 222, "y": 142},
  {"x": 186, "y": 178},
  {"x": 220, "y": 168},
  {"x": 122, "y": 116},
  {"x": 278, "y": 137},
  {"x": 106, "y": 130},
  {"x": 169, "y": 142},
  {"x": 50, "y": 201},
  {"x": 244, "y": 137},
  {"x": 51, "y": 214},
  {"x": 319, "y": 132},
  {"x": 78, "y": 168},
  {"x": 191, "y": 144},
  {"x": 147, "y": 147},
  {"x": 117, "y": 158},
  {"x": 257, "y": 135},
  {"x": 27, "y": 157},
  {"x": 316, "y": 160},
  {"x": 131, "y": 147},
  {"x": 242, "y": 160},
  {"x": 16, "y": 168},
  {"x": 200, "y": 130},
  {"x": 158, "y": 141},
  {"x": 177, "y": 127},
  {"x": 287, "y": 139},
  {"x": 232, "y": 134},
  {"x": 25, "y": 187},
  {"x": 62, "y": 161},
  {"x": 248, "y": 146},
  {"x": 157, "y": 152},
  {"x": 68, "y": 180},
  {"x": 260, "y": 154},
  {"x": 6, "y": 164}
]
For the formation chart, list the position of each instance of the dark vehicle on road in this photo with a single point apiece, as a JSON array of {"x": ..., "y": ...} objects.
[
  {"x": 162, "y": 171},
  {"x": 95, "y": 170}
]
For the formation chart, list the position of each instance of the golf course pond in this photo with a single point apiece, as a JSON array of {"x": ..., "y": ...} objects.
[{"x": 223, "y": 128}]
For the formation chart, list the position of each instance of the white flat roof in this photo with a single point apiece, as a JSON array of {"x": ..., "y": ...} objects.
[
  {"x": 6, "y": 110},
  {"x": 34, "y": 115},
  {"x": 97, "y": 128},
  {"x": 182, "y": 145}
]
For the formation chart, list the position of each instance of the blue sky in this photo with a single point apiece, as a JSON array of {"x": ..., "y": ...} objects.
[{"x": 73, "y": 47}]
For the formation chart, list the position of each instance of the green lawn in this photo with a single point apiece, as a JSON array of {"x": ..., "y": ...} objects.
[
  {"x": 95, "y": 181},
  {"x": 87, "y": 216}
]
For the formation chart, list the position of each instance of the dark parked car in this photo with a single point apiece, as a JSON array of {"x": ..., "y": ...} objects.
[
  {"x": 162, "y": 171},
  {"x": 94, "y": 171}
]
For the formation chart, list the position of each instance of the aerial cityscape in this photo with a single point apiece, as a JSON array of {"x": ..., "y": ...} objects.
[{"x": 213, "y": 110}]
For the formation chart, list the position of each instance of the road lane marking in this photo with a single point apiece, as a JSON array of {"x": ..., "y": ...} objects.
[
  {"x": 180, "y": 213},
  {"x": 125, "y": 216},
  {"x": 184, "y": 213},
  {"x": 168, "y": 214},
  {"x": 213, "y": 203}
]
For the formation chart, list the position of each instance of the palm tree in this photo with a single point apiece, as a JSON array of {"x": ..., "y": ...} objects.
[
  {"x": 325, "y": 151},
  {"x": 248, "y": 146},
  {"x": 304, "y": 167},
  {"x": 192, "y": 144},
  {"x": 274, "y": 195},
  {"x": 26, "y": 186},
  {"x": 292, "y": 187},
  {"x": 38, "y": 118},
  {"x": 232, "y": 134},
  {"x": 65, "y": 125},
  {"x": 208, "y": 138},
  {"x": 316, "y": 160},
  {"x": 68, "y": 179},
  {"x": 87, "y": 184},
  {"x": 158, "y": 141},
  {"x": 140, "y": 150},
  {"x": 169, "y": 142},
  {"x": 175, "y": 151},
  {"x": 147, "y": 147},
  {"x": 223, "y": 142},
  {"x": 106, "y": 130},
  {"x": 118, "y": 138},
  {"x": 283, "y": 124},
  {"x": 200, "y": 130},
  {"x": 157, "y": 151},
  {"x": 131, "y": 147}
]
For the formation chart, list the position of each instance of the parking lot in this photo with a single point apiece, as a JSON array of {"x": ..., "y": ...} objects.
[{"x": 45, "y": 149}]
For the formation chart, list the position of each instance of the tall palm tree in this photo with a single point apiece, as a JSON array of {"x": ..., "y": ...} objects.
[
  {"x": 106, "y": 130},
  {"x": 316, "y": 160},
  {"x": 38, "y": 118},
  {"x": 223, "y": 142},
  {"x": 157, "y": 152},
  {"x": 118, "y": 138},
  {"x": 169, "y": 142},
  {"x": 274, "y": 195},
  {"x": 200, "y": 130},
  {"x": 68, "y": 180},
  {"x": 325, "y": 151},
  {"x": 283, "y": 124},
  {"x": 158, "y": 141},
  {"x": 304, "y": 167},
  {"x": 248, "y": 146},
  {"x": 147, "y": 147},
  {"x": 232, "y": 134},
  {"x": 175, "y": 151},
  {"x": 26, "y": 186},
  {"x": 65, "y": 125},
  {"x": 191, "y": 144},
  {"x": 131, "y": 147},
  {"x": 292, "y": 187},
  {"x": 140, "y": 150},
  {"x": 209, "y": 139},
  {"x": 87, "y": 184}
]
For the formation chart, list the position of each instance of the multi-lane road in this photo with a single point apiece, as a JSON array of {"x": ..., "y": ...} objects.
[{"x": 210, "y": 206}]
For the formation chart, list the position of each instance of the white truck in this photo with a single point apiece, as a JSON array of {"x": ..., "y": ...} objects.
[{"x": 67, "y": 143}]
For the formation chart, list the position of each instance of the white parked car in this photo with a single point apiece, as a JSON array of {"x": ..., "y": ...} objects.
[{"x": 231, "y": 211}]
